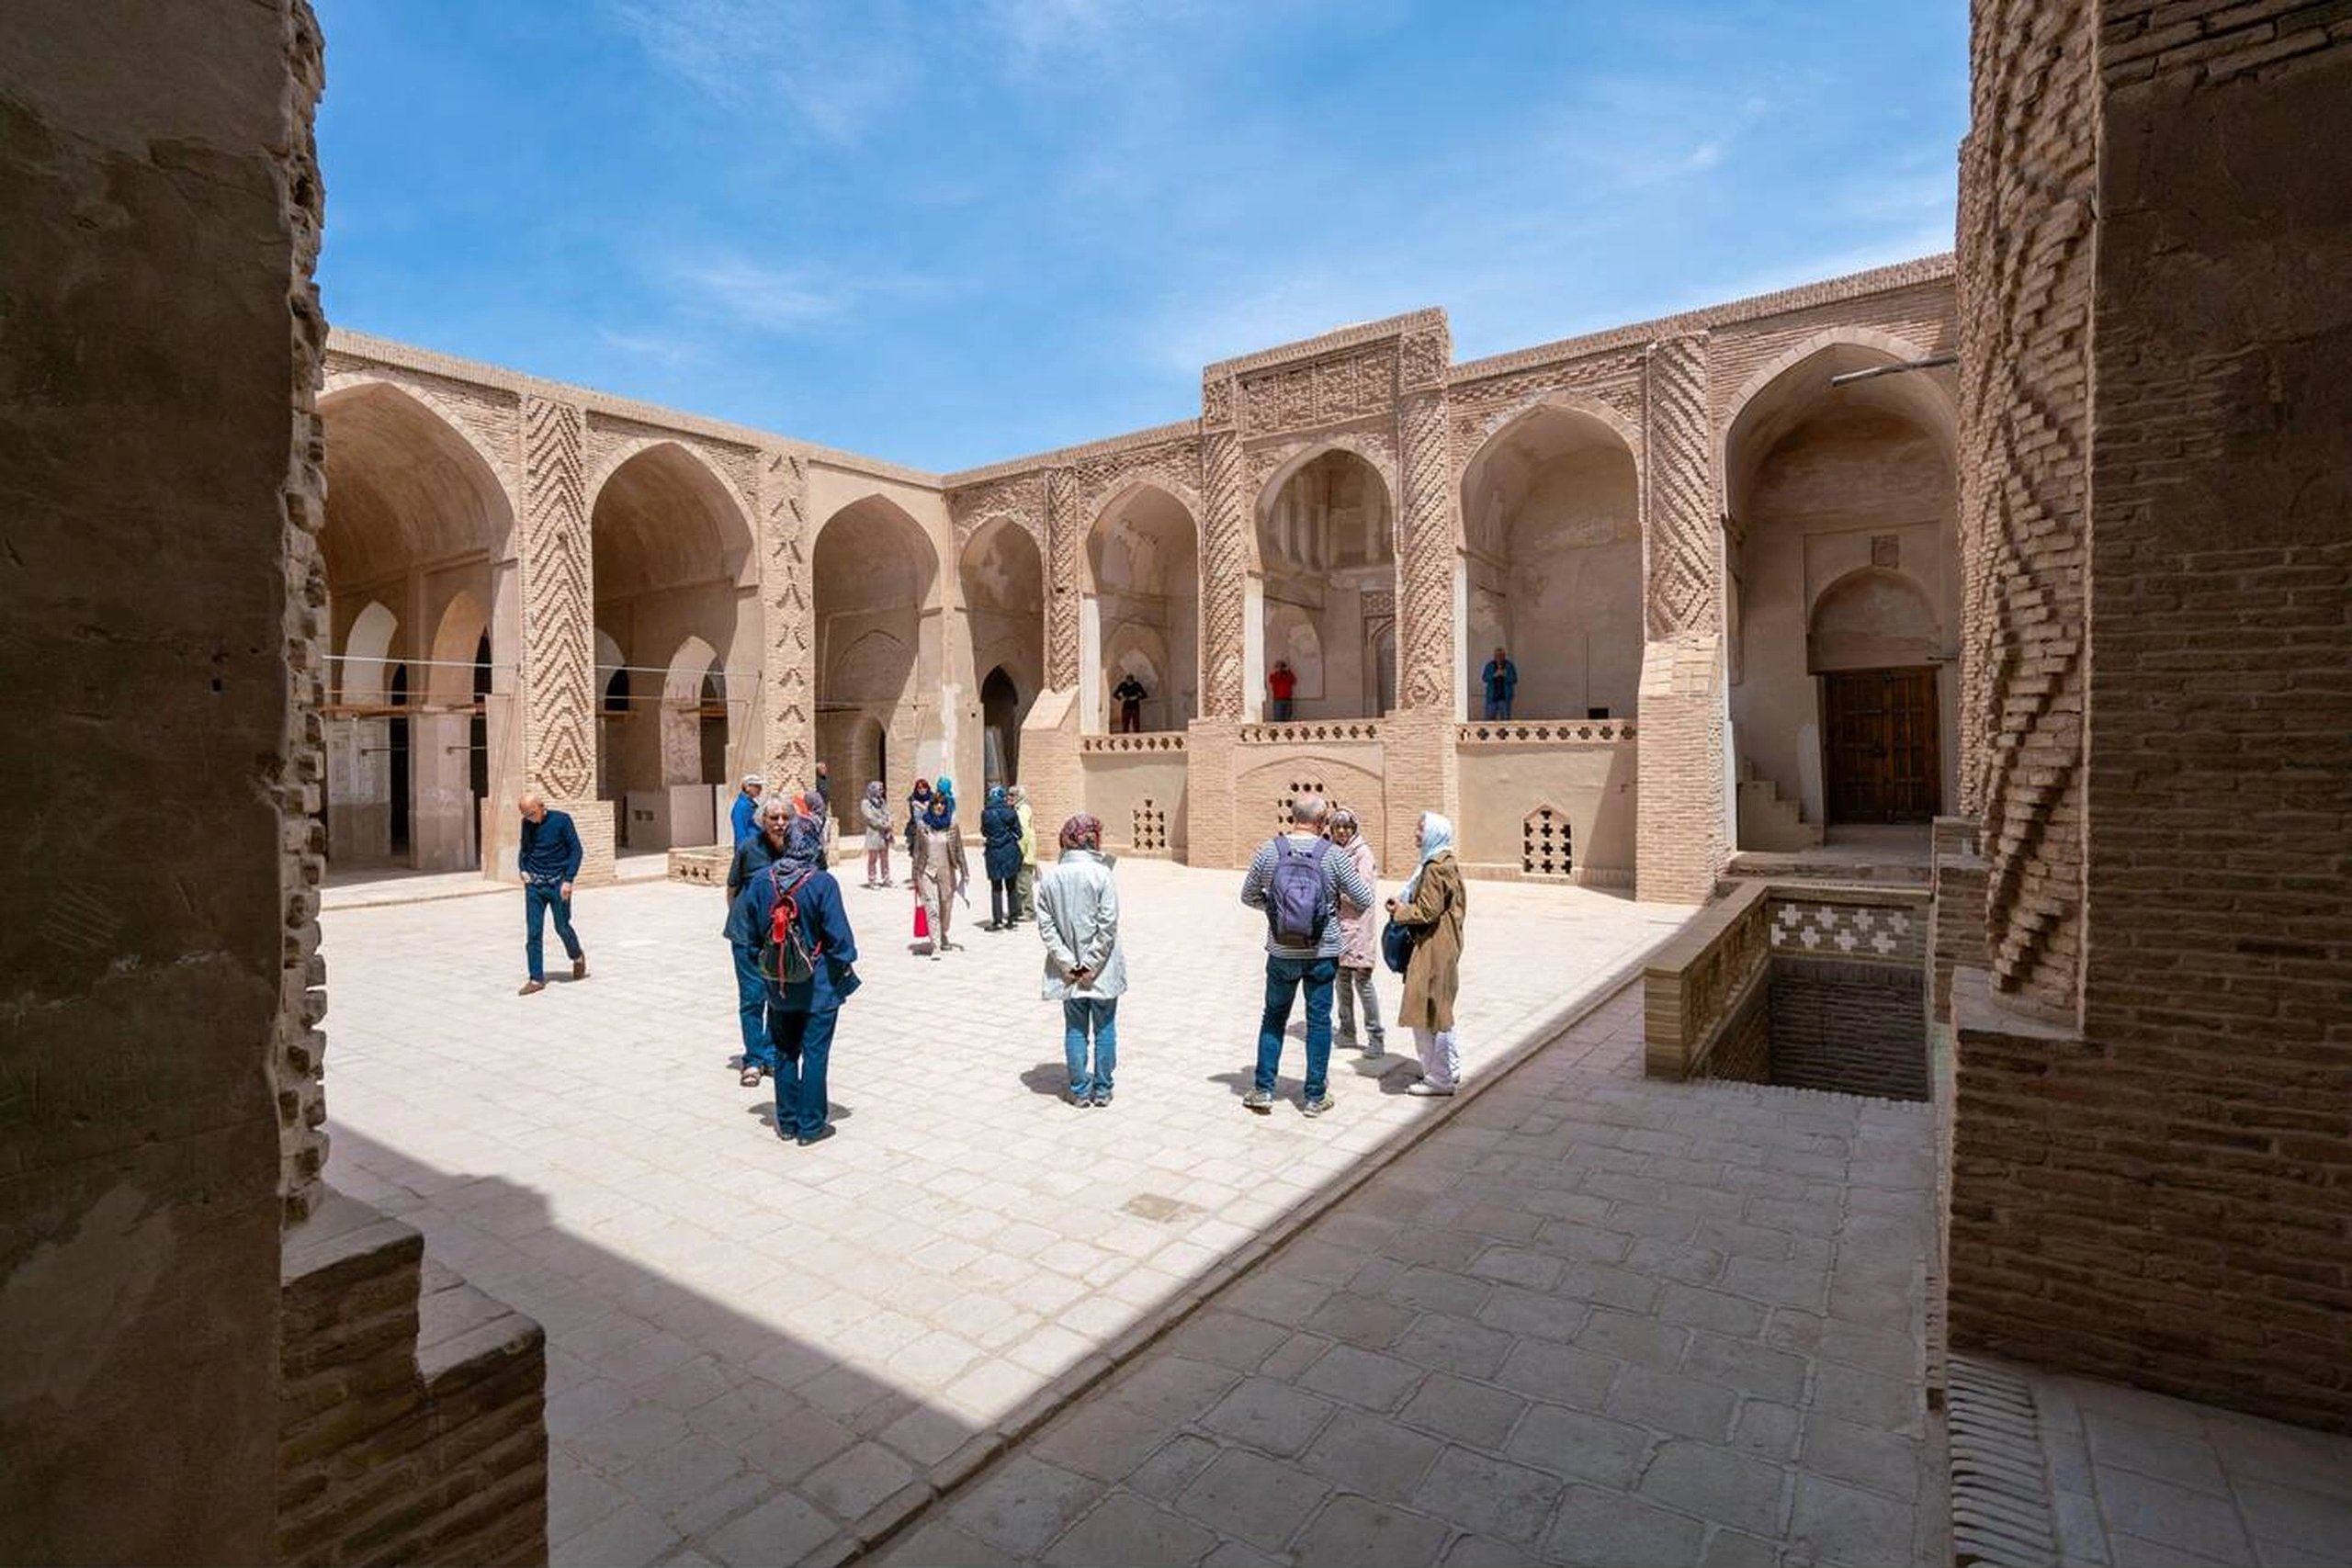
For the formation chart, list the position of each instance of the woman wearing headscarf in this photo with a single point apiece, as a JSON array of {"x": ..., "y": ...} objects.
[
  {"x": 918, "y": 802},
  {"x": 766, "y": 845},
  {"x": 1359, "y": 952},
  {"x": 1078, "y": 917},
  {"x": 1000, "y": 855},
  {"x": 1432, "y": 906},
  {"x": 939, "y": 869},
  {"x": 874, "y": 810},
  {"x": 801, "y": 1011}
]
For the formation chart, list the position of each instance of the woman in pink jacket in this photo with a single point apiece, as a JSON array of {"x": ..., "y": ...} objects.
[{"x": 1362, "y": 950}]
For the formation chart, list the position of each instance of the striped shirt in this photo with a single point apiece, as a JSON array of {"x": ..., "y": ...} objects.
[{"x": 1347, "y": 887}]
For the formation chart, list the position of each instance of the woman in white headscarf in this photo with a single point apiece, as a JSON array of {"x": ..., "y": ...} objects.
[{"x": 1431, "y": 905}]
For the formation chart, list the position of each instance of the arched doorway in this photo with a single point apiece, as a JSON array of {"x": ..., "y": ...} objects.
[
  {"x": 1328, "y": 569},
  {"x": 1003, "y": 581},
  {"x": 1000, "y": 708},
  {"x": 877, "y": 605},
  {"x": 1552, "y": 537},
  {"x": 1844, "y": 596},
  {"x": 673, "y": 569},
  {"x": 417, "y": 543},
  {"x": 1140, "y": 618}
]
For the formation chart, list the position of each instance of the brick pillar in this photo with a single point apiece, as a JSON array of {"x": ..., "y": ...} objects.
[
  {"x": 559, "y": 642},
  {"x": 1419, "y": 774},
  {"x": 1680, "y": 843},
  {"x": 789, "y": 663},
  {"x": 1210, "y": 831},
  {"x": 1225, "y": 553},
  {"x": 1430, "y": 530},
  {"x": 1065, "y": 537}
]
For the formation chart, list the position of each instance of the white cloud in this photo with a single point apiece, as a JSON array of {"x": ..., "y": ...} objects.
[{"x": 836, "y": 68}]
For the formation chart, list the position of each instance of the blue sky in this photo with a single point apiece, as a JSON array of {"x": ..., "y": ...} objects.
[{"x": 951, "y": 232}]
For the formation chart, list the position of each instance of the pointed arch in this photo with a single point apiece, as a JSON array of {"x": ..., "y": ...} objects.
[
  {"x": 458, "y": 637},
  {"x": 1139, "y": 577},
  {"x": 660, "y": 516},
  {"x": 366, "y": 655},
  {"x": 406, "y": 483}
]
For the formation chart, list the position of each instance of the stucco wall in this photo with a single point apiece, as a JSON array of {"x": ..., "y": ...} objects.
[{"x": 1594, "y": 785}]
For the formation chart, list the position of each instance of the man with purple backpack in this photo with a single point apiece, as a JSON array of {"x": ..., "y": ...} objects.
[{"x": 1299, "y": 883}]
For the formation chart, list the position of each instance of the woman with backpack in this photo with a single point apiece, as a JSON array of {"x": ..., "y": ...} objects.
[
  {"x": 874, "y": 810},
  {"x": 1360, "y": 942},
  {"x": 939, "y": 866},
  {"x": 1431, "y": 908},
  {"x": 766, "y": 845},
  {"x": 1001, "y": 857},
  {"x": 1078, "y": 917},
  {"x": 791, "y": 916}
]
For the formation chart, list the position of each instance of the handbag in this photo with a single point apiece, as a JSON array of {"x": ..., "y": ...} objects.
[
  {"x": 1396, "y": 942},
  {"x": 923, "y": 922}
]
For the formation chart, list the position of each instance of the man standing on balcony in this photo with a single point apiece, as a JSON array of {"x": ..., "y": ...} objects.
[
  {"x": 1131, "y": 693},
  {"x": 1281, "y": 682},
  {"x": 1501, "y": 678}
]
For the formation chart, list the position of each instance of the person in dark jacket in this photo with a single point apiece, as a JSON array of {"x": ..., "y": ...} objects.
[
  {"x": 918, "y": 802},
  {"x": 801, "y": 1015},
  {"x": 743, "y": 816},
  {"x": 1000, "y": 852},
  {"x": 548, "y": 860},
  {"x": 753, "y": 856}
]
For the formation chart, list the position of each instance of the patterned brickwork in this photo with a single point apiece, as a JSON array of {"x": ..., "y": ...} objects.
[
  {"x": 1225, "y": 546},
  {"x": 1683, "y": 534},
  {"x": 559, "y": 635},
  {"x": 789, "y": 688},
  {"x": 1066, "y": 537},
  {"x": 298, "y": 1062},
  {"x": 2029, "y": 170},
  {"x": 1431, "y": 516}
]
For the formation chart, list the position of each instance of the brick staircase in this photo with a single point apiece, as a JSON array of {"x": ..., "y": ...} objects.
[{"x": 1768, "y": 822}]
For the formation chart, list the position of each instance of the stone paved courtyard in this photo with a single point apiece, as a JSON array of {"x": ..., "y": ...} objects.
[{"x": 754, "y": 1350}]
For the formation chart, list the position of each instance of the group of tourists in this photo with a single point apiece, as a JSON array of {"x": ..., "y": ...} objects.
[{"x": 795, "y": 953}]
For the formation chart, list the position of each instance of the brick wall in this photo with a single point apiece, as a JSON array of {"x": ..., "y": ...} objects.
[
  {"x": 1678, "y": 841},
  {"x": 1850, "y": 1028},
  {"x": 411, "y": 1422},
  {"x": 2164, "y": 1193}
]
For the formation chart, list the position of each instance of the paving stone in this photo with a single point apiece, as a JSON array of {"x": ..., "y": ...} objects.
[
  {"x": 851, "y": 1484},
  {"x": 1125, "y": 1528},
  {"x": 1766, "y": 1429},
  {"x": 1354, "y": 1532},
  {"x": 1377, "y": 1458},
  {"x": 1173, "y": 1466},
  {"x": 1453, "y": 1345},
  {"x": 1176, "y": 1389},
  {"x": 1845, "y": 1523},
  {"x": 1022, "y": 1504},
  {"x": 1577, "y": 1446},
  {"x": 1711, "y": 1310},
  {"x": 1434, "y": 1289},
  {"x": 1484, "y": 1552},
  {"x": 2186, "y": 1520},
  {"x": 1467, "y": 1412},
  {"x": 631, "y": 1533},
  {"x": 1609, "y": 1529},
  {"x": 784, "y": 1529},
  {"x": 1747, "y": 1367},
  {"x": 1730, "y": 1549},
  {"x": 1261, "y": 1500},
  {"x": 1517, "y": 1266},
  {"x": 1362, "y": 1377},
  {"x": 1558, "y": 1373},
  {"x": 1517, "y": 1310},
  {"x": 941, "y": 1545},
  {"x": 1628, "y": 1337},
  {"x": 1102, "y": 1438},
  {"x": 1368, "y": 1321},
  {"x": 2185, "y": 1460},
  {"x": 1671, "y": 1403},
  {"x": 1264, "y": 1414},
  {"x": 1867, "y": 1456},
  {"x": 1489, "y": 1496},
  {"x": 1718, "y": 1484}
]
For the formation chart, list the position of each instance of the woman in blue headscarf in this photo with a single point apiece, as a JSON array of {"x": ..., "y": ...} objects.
[
  {"x": 1001, "y": 856},
  {"x": 939, "y": 866},
  {"x": 1432, "y": 906},
  {"x": 803, "y": 1008}
]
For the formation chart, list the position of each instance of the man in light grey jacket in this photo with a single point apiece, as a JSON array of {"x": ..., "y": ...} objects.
[{"x": 1078, "y": 917}]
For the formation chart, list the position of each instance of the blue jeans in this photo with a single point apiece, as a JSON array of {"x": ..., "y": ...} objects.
[
  {"x": 803, "y": 1042},
  {"x": 1278, "y": 709},
  {"x": 1498, "y": 707},
  {"x": 1283, "y": 978},
  {"x": 751, "y": 1010},
  {"x": 1098, "y": 1016},
  {"x": 539, "y": 898}
]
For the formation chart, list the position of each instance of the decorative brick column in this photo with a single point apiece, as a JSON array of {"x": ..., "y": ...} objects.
[
  {"x": 1065, "y": 538},
  {"x": 1211, "y": 834},
  {"x": 788, "y": 665},
  {"x": 1680, "y": 843},
  {"x": 1225, "y": 553},
  {"x": 559, "y": 645}
]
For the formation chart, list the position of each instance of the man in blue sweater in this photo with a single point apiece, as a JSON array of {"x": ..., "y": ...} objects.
[
  {"x": 801, "y": 1015},
  {"x": 548, "y": 860}
]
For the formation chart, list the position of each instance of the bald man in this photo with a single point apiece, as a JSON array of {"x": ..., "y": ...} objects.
[{"x": 548, "y": 860}]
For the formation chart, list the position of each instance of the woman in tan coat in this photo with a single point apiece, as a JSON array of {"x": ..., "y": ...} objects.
[{"x": 1433, "y": 905}]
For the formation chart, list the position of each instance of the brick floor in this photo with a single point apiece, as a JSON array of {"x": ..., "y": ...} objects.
[
  {"x": 759, "y": 1352},
  {"x": 1591, "y": 1319}
]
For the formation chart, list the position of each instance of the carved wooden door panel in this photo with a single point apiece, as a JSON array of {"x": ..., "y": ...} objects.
[{"x": 1879, "y": 728}]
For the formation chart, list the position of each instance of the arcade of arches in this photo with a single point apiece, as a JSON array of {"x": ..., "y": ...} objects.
[{"x": 1686, "y": 534}]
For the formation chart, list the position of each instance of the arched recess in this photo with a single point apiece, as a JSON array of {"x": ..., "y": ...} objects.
[
  {"x": 1140, "y": 615},
  {"x": 876, "y": 599},
  {"x": 1552, "y": 541},
  {"x": 1003, "y": 581},
  {"x": 417, "y": 518},
  {"x": 674, "y": 568},
  {"x": 1325, "y": 561},
  {"x": 614, "y": 691},
  {"x": 1842, "y": 500},
  {"x": 687, "y": 691},
  {"x": 1001, "y": 706}
]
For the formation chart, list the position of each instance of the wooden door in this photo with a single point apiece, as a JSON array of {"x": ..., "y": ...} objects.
[{"x": 1879, "y": 729}]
